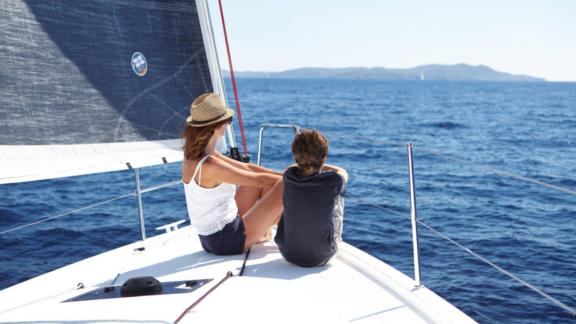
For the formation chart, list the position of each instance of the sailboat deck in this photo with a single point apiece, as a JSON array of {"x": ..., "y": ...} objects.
[{"x": 353, "y": 288}]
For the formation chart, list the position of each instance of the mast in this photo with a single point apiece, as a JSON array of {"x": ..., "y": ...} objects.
[{"x": 213, "y": 60}]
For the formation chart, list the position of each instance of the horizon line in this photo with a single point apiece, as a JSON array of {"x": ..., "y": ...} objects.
[{"x": 384, "y": 67}]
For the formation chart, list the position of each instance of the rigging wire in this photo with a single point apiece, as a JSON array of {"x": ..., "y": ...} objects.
[
  {"x": 444, "y": 156},
  {"x": 161, "y": 186},
  {"x": 67, "y": 213},
  {"x": 553, "y": 300},
  {"x": 500, "y": 172},
  {"x": 240, "y": 122}
]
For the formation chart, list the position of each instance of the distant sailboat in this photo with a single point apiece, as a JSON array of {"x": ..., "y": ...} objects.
[{"x": 422, "y": 76}]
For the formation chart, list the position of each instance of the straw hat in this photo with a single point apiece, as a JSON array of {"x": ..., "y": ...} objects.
[{"x": 208, "y": 109}]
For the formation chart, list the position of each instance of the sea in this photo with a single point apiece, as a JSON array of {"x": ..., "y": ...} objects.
[{"x": 495, "y": 177}]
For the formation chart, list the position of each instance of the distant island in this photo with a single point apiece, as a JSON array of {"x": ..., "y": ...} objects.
[{"x": 456, "y": 72}]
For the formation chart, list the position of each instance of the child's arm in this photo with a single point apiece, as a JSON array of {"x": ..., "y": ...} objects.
[{"x": 341, "y": 171}]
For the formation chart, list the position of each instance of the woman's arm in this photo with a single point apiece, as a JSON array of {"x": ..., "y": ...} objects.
[
  {"x": 223, "y": 172},
  {"x": 246, "y": 166}
]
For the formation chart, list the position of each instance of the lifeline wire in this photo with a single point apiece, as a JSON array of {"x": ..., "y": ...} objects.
[
  {"x": 462, "y": 161},
  {"x": 501, "y": 172},
  {"x": 67, "y": 213},
  {"x": 161, "y": 186},
  {"x": 553, "y": 300}
]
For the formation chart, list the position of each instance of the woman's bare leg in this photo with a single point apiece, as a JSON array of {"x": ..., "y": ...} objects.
[
  {"x": 265, "y": 213},
  {"x": 246, "y": 198}
]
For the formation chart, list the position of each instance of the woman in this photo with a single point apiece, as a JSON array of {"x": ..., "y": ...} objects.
[{"x": 231, "y": 204}]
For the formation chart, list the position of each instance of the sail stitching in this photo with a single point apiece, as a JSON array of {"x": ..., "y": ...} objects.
[{"x": 149, "y": 89}]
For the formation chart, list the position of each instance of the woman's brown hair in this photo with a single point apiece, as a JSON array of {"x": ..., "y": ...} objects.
[
  {"x": 310, "y": 149},
  {"x": 196, "y": 139}
]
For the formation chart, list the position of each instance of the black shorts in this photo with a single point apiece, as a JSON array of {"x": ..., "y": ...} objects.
[{"x": 230, "y": 240}]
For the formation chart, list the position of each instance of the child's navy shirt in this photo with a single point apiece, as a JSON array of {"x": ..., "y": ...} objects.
[{"x": 305, "y": 234}]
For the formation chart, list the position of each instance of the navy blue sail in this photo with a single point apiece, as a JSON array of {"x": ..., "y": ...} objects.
[{"x": 88, "y": 86}]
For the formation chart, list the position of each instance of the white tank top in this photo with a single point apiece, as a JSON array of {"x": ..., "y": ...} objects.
[{"x": 209, "y": 209}]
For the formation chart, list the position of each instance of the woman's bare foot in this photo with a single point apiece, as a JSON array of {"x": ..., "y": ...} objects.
[{"x": 267, "y": 237}]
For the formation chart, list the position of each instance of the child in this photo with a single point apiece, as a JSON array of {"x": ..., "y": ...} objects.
[{"x": 311, "y": 224}]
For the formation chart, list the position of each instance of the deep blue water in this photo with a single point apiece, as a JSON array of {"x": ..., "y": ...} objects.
[{"x": 523, "y": 128}]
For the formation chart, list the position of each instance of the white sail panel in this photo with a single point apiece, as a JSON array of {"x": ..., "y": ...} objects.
[{"x": 19, "y": 163}]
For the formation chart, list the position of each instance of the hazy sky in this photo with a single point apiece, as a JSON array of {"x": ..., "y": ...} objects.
[{"x": 536, "y": 38}]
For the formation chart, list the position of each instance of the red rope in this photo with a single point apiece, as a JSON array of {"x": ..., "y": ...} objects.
[{"x": 240, "y": 123}]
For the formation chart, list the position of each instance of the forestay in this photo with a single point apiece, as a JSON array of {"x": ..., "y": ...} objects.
[{"x": 92, "y": 86}]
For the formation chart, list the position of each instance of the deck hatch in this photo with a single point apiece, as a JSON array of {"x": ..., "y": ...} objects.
[{"x": 169, "y": 287}]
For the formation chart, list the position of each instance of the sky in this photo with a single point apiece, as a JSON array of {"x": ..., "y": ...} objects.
[{"x": 536, "y": 38}]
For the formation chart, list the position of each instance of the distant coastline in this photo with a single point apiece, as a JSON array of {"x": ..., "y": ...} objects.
[{"x": 456, "y": 72}]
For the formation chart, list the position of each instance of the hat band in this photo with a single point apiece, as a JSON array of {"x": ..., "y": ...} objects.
[{"x": 199, "y": 122}]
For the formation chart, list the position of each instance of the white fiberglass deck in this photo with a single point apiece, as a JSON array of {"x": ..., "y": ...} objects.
[{"x": 353, "y": 288}]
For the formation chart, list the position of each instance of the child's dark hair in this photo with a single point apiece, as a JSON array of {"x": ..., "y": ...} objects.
[{"x": 310, "y": 149}]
